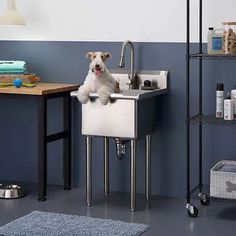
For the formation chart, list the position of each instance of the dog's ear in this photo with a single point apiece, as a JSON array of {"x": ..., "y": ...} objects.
[
  {"x": 89, "y": 55},
  {"x": 107, "y": 55}
]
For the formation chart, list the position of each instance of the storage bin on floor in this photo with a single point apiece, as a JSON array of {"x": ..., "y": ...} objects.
[{"x": 223, "y": 180}]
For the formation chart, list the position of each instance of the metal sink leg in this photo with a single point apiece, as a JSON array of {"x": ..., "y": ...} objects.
[
  {"x": 133, "y": 175},
  {"x": 89, "y": 170},
  {"x": 148, "y": 168},
  {"x": 133, "y": 157},
  {"x": 106, "y": 166}
]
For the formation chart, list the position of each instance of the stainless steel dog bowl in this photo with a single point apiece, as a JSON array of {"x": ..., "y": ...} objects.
[{"x": 11, "y": 191}]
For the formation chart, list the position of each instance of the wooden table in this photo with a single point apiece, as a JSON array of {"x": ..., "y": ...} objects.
[{"x": 41, "y": 93}]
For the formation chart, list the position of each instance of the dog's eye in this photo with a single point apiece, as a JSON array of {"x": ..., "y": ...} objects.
[{"x": 102, "y": 57}]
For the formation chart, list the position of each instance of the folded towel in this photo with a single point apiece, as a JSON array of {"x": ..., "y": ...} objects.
[
  {"x": 12, "y": 72},
  {"x": 10, "y": 67}
]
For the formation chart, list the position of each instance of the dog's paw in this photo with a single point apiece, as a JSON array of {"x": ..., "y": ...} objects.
[
  {"x": 83, "y": 96},
  {"x": 104, "y": 99},
  {"x": 104, "y": 94},
  {"x": 83, "y": 99}
]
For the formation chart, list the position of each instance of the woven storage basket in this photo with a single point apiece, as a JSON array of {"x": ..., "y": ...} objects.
[
  {"x": 223, "y": 183},
  {"x": 26, "y": 78}
]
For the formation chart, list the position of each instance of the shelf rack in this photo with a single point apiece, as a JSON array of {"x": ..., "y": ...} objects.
[
  {"x": 211, "y": 120},
  {"x": 210, "y": 56},
  {"x": 200, "y": 119}
]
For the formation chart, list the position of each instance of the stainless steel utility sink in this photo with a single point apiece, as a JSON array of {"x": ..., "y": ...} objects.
[
  {"x": 128, "y": 116},
  {"x": 129, "y": 113}
]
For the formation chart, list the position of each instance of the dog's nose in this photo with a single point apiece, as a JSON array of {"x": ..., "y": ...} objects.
[{"x": 97, "y": 66}]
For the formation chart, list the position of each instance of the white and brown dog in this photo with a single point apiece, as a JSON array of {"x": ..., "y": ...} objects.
[{"x": 99, "y": 79}]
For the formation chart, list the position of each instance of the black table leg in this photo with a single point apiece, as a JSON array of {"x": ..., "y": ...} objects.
[
  {"x": 67, "y": 142},
  {"x": 42, "y": 151}
]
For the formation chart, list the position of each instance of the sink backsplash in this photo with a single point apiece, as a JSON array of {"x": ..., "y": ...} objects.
[{"x": 159, "y": 79}]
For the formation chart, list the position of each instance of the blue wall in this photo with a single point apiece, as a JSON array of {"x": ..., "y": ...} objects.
[{"x": 65, "y": 62}]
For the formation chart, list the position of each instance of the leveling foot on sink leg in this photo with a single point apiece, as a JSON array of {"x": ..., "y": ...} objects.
[{"x": 42, "y": 199}]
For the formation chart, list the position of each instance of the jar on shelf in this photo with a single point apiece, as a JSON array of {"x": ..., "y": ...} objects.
[{"x": 229, "y": 38}]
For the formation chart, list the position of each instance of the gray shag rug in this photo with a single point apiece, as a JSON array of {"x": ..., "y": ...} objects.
[{"x": 53, "y": 224}]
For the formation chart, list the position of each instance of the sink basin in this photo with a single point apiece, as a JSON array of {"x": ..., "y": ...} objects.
[
  {"x": 129, "y": 115},
  {"x": 135, "y": 94}
]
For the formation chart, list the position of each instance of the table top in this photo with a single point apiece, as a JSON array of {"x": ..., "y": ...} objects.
[{"x": 41, "y": 89}]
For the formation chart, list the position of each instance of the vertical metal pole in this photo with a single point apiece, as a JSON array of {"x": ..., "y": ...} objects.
[
  {"x": 42, "y": 149},
  {"x": 148, "y": 167},
  {"x": 200, "y": 94},
  {"x": 89, "y": 170},
  {"x": 106, "y": 166},
  {"x": 187, "y": 102},
  {"x": 67, "y": 142},
  {"x": 133, "y": 175}
]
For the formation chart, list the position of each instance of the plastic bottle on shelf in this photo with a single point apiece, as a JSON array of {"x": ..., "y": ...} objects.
[
  {"x": 220, "y": 101},
  {"x": 233, "y": 97},
  {"x": 215, "y": 41},
  {"x": 228, "y": 108}
]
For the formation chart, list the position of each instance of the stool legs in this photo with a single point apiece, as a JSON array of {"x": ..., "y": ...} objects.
[
  {"x": 148, "y": 168},
  {"x": 133, "y": 175},
  {"x": 89, "y": 170},
  {"x": 106, "y": 166}
]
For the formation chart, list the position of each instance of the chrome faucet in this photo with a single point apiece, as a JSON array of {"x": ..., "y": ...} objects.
[{"x": 122, "y": 60}]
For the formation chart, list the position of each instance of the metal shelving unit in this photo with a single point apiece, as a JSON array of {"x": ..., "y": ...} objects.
[{"x": 200, "y": 119}]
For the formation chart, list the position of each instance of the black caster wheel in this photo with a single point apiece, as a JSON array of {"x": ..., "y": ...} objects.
[
  {"x": 192, "y": 211},
  {"x": 204, "y": 200}
]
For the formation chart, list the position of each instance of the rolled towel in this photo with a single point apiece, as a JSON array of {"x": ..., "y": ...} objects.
[{"x": 12, "y": 67}]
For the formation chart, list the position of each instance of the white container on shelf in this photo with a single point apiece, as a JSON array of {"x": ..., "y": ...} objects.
[{"x": 223, "y": 180}]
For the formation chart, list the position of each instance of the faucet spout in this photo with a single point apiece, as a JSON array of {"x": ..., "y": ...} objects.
[{"x": 122, "y": 59}]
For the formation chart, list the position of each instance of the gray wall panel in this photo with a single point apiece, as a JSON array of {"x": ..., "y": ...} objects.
[{"x": 65, "y": 62}]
